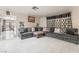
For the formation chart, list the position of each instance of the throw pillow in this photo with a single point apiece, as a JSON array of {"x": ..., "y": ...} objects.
[{"x": 57, "y": 30}]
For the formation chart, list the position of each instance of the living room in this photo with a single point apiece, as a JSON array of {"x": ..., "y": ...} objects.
[{"x": 39, "y": 28}]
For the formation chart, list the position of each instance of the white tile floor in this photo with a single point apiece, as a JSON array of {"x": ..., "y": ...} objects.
[{"x": 36, "y": 45}]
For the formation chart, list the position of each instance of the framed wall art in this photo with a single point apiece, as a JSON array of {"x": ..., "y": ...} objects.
[{"x": 31, "y": 19}]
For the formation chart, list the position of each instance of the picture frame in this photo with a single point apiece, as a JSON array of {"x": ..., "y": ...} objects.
[{"x": 31, "y": 19}]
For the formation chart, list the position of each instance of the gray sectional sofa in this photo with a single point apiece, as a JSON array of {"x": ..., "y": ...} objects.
[
  {"x": 68, "y": 36},
  {"x": 23, "y": 33},
  {"x": 65, "y": 37}
]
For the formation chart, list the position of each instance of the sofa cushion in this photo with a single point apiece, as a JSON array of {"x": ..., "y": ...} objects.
[
  {"x": 71, "y": 31},
  {"x": 57, "y": 30},
  {"x": 33, "y": 29},
  {"x": 29, "y": 29},
  {"x": 36, "y": 29},
  {"x": 51, "y": 29},
  {"x": 40, "y": 29},
  {"x": 21, "y": 30},
  {"x": 25, "y": 29}
]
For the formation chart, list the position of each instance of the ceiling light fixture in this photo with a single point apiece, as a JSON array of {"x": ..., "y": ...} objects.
[{"x": 35, "y": 8}]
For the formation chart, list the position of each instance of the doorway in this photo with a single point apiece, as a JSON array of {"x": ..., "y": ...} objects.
[{"x": 7, "y": 29}]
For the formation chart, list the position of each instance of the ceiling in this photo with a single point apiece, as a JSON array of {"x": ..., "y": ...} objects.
[{"x": 42, "y": 11}]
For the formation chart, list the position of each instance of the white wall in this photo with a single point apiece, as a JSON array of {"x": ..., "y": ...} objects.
[
  {"x": 43, "y": 22},
  {"x": 25, "y": 20},
  {"x": 75, "y": 17}
]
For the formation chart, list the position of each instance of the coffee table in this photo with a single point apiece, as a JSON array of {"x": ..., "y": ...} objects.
[{"x": 39, "y": 34}]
